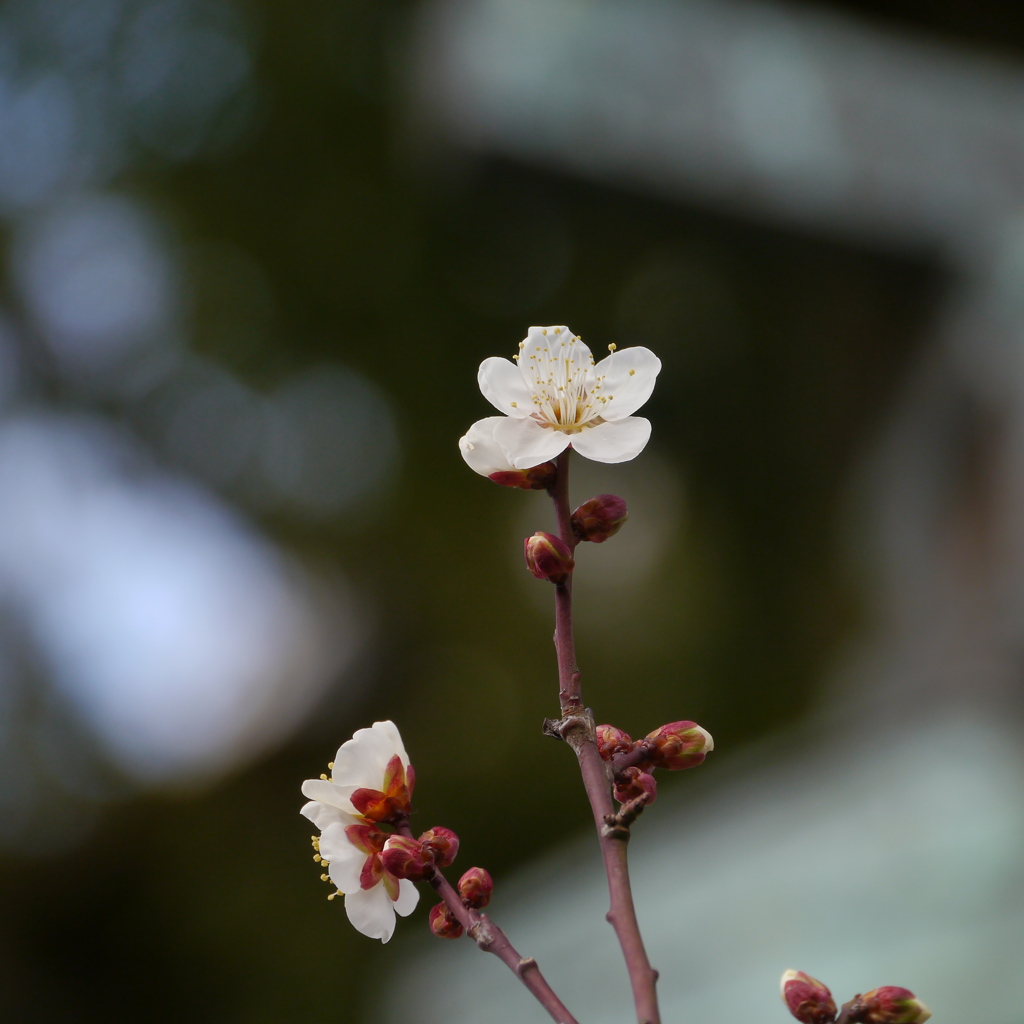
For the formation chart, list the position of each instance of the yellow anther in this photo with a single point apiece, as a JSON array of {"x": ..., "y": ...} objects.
[
  {"x": 612, "y": 347},
  {"x": 558, "y": 330},
  {"x": 632, "y": 373},
  {"x": 515, "y": 405},
  {"x": 330, "y": 765},
  {"x": 317, "y": 857},
  {"x": 332, "y": 895},
  {"x": 325, "y": 878},
  {"x": 324, "y": 777}
]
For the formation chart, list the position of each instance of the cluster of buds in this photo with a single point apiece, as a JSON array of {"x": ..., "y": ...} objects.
[
  {"x": 549, "y": 558},
  {"x": 810, "y": 1002},
  {"x": 416, "y": 859},
  {"x": 475, "y": 888},
  {"x": 632, "y": 784},
  {"x": 674, "y": 746}
]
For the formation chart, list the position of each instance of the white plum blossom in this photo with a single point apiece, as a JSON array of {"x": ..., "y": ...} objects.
[
  {"x": 371, "y": 782},
  {"x": 558, "y": 396}
]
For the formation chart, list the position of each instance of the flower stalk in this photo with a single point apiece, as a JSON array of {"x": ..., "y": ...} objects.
[{"x": 577, "y": 728}]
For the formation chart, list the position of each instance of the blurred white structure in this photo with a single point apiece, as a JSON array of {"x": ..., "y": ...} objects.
[{"x": 888, "y": 846}]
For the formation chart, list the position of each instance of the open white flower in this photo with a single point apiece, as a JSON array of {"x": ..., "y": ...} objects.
[
  {"x": 371, "y": 782},
  {"x": 556, "y": 397}
]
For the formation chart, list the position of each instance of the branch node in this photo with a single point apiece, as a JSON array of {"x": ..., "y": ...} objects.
[
  {"x": 526, "y": 964},
  {"x": 616, "y": 826},
  {"x": 482, "y": 933}
]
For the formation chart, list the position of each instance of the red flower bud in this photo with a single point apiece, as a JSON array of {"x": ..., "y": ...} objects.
[
  {"x": 442, "y": 924},
  {"x": 407, "y": 858},
  {"x": 631, "y": 783},
  {"x": 539, "y": 478},
  {"x": 599, "y": 518},
  {"x": 808, "y": 1000},
  {"x": 548, "y": 558},
  {"x": 679, "y": 745},
  {"x": 442, "y": 844},
  {"x": 475, "y": 888},
  {"x": 612, "y": 741},
  {"x": 890, "y": 1005}
]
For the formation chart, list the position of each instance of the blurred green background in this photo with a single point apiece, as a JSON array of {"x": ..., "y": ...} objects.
[{"x": 313, "y": 291}]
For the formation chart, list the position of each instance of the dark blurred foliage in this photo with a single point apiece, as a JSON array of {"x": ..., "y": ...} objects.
[{"x": 781, "y": 355}]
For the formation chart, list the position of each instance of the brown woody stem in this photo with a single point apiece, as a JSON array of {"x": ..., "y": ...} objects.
[
  {"x": 577, "y": 729},
  {"x": 491, "y": 939}
]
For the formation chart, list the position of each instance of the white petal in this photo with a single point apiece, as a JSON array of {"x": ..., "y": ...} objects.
[
  {"x": 328, "y": 793},
  {"x": 324, "y": 815},
  {"x": 503, "y": 386},
  {"x": 371, "y": 912},
  {"x": 361, "y": 761},
  {"x": 481, "y": 451},
  {"x": 408, "y": 897},
  {"x": 619, "y": 441},
  {"x": 626, "y": 381},
  {"x": 345, "y": 861},
  {"x": 527, "y": 444}
]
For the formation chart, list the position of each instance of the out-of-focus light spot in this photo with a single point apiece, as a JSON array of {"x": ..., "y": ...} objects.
[
  {"x": 331, "y": 441},
  {"x": 10, "y": 369},
  {"x": 96, "y": 277},
  {"x": 38, "y": 129},
  {"x": 212, "y": 424},
  {"x": 181, "y": 638},
  {"x": 177, "y": 71},
  {"x": 320, "y": 445},
  {"x": 783, "y": 117}
]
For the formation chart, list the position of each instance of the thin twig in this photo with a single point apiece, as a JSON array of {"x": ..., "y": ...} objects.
[
  {"x": 577, "y": 728},
  {"x": 491, "y": 939}
]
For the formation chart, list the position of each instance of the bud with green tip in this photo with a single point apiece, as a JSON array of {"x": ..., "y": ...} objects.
[
  {"x": 548, "y": 558},
  {"x": 599, "y": 518},
  {"x": 679, "y": 745},
  {"x": 807, "y": 998},
  {"x": 889, "y": 1005}
]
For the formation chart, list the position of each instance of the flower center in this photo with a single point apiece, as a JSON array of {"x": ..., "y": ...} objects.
[{"x": 567, "y": 394}]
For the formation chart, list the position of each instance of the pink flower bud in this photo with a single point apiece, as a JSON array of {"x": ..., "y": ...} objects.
[
  {"x": 540, "y": 478},
  {"x": 407, "y": 858},
  {"x": 679, "y": 745},
  {"x": 442, "y": 924},
  {"x": 631, "y": 783},
  {"x": 442, "y": 844},
  {"x": 891, "y": 1005},
  {"x": 599, "y": 518},
  {"x": 612, "y": 741},
  {"x": 808, "y": 1000},
  {"x": 548, "y": 558},
  {"x": 475, "y": 888}
]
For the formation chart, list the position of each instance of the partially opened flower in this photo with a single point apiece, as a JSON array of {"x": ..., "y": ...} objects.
[
  {"x": 371, "y": 782},
  {"x": 557, "y": 396}
]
